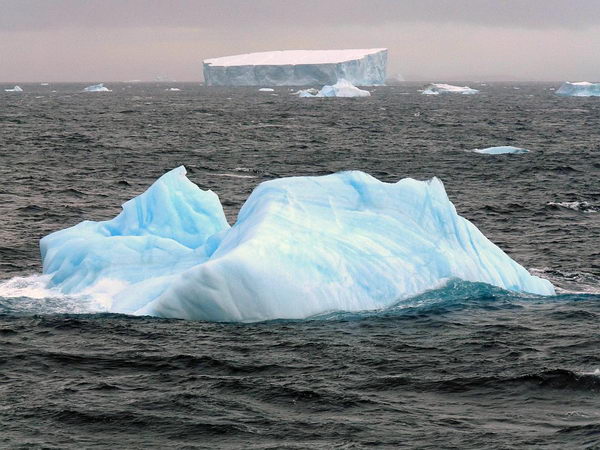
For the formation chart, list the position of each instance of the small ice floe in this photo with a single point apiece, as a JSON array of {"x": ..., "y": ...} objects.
[
  {"x": 266, "y": 90},
  {"x": 97, "y": 88},
  {"x": 303, "y": 92},
  {"x": 501, "y": 150},
  {"x": 173, "y": 89},
  {"x": 585, "y": 207},
  {"x": 15, "y": 89},
  {"x": 343, "y": 88},
  {"x": 440, "y": 88},
  {"x": 44, "y": 84}
]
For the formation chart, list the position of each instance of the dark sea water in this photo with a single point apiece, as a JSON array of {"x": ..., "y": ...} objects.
[{"x": 464, "y": 366}]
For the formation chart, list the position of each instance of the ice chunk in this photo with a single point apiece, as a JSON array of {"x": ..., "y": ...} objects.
[
  {"x": 501, "y": 150},
  {"x": 301, "y": 246},
  {"x": 173, "y": 89},
  {"x": 580, "y": 89},
  {"x": 310, "y": 92},
  {"x": 363, "y": 67},
  {"x": 97, "y": 88},
  {"x": 343, "y": 88},
  {"x": 15, "y": 89},
  {"x": 266, "y": 90},
  {"x": 440, "y": 88}
]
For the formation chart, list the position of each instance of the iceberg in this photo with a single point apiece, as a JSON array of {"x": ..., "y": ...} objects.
[
  {"x": 15, "y": 89},
  {"x": 363, "y": 67},
  {"x": 301, "y": 246},
  {"x": 173, "y": 89},
  {"x": 97, "y": 88},
  {"x": 440, "y": 88},
  {"x": 343, "y": 88},
  {"x": 266, "y": 90},
  {"x": 580, "y": 89},
  {"x": 501, "y": 150}
]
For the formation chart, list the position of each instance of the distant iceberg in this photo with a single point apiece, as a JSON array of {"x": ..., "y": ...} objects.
[
  {"x": 343, "y": 88},
  {"x": 15, "y": 89},
  {"x": 266, "y": 90},
  {"x": 501, "y": 150},
  {"x": 173, "y": 89},
  {"x": 363, "y": 67},
  {"x": 440, "y": 88},
  {"x": 97, "y": 88},
  {"x": 301, "y": 246},
  {"x": 580, "y": 89}
]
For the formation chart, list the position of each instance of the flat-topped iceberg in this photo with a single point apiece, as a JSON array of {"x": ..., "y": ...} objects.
[
  {"x": 440, "y": 88},
  {"x": 15, "y": 89},
  {"x": 580, "y": 89},
  {"x": 343, "y": 88},
  {"x": 363, "y": 67},
  {"x": 301, "y": 246},
  {"x": 97, "y": 88},
  {"x": 501, "y": 150}
]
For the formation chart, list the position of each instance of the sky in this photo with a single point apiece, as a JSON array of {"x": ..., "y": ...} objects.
[{"x": 428, "y": 40}]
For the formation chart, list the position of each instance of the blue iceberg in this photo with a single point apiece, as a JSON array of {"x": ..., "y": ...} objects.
[
  {"x": 501, "y": 150},
  {"x": 301, "y": 246},
  {"x": 97, "y": 88},
  {"x": 343, "y": 88},
  {"x": 579, "y": 89}
]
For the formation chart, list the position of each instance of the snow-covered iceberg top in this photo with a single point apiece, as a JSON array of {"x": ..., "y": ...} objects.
[
  {"x": 97, "y": 88},
  {"x": 440, "y": 88},
  {"x": 501, "y": 150},
  {"x": 15, "y": 89},
  {"x": 292, "y": 57},
  {"x": 301, "y": 246},
  {"x": 343, "y": 88},
  {"x": 579, "y": 89}
]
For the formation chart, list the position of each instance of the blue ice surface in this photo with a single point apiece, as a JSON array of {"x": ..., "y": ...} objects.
[
  {"x": 501, "y": 150},
  {"x": 301, "y": 246},
  {"x": 579, "y": 89}
]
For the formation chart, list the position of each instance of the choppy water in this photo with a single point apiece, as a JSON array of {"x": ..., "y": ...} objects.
[{"x": 465, "y": 366}]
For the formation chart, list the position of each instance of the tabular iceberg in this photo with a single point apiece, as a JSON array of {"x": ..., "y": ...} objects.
[
  {"x": 501, "y": 150},
  {"x": 97, "y": 88},
  {"x": 440, "y": 88},
  {"x": 15, "y": 89},
  {"x": 343, "y": 88},
  {"x": 362, "y": 67},
  {"x": 580, "y": 89},
  {"x": 301, "y": 246}
]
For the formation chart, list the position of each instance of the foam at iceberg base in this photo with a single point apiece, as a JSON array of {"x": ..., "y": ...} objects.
[
  {"x": 440, "y": 88},
  {"x": 301, "y": 246},
  {"x": 343, "y": 88},
  {"x": 580, "y": 89}
]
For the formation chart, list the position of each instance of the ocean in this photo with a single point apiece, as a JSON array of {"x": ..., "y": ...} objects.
[{"x": 467, "y": 365}]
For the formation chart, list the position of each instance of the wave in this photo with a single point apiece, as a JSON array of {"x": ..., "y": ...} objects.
[{"x": 31, "y": 295}]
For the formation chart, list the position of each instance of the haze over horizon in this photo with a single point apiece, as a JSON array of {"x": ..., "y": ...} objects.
[{"x": 487, "y": 40}]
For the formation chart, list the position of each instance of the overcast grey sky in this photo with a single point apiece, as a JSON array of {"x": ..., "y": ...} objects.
[{"x": 113, "y": 40}]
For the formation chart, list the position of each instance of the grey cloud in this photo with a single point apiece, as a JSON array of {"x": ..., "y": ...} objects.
[{"x": 247, "y": 15}]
